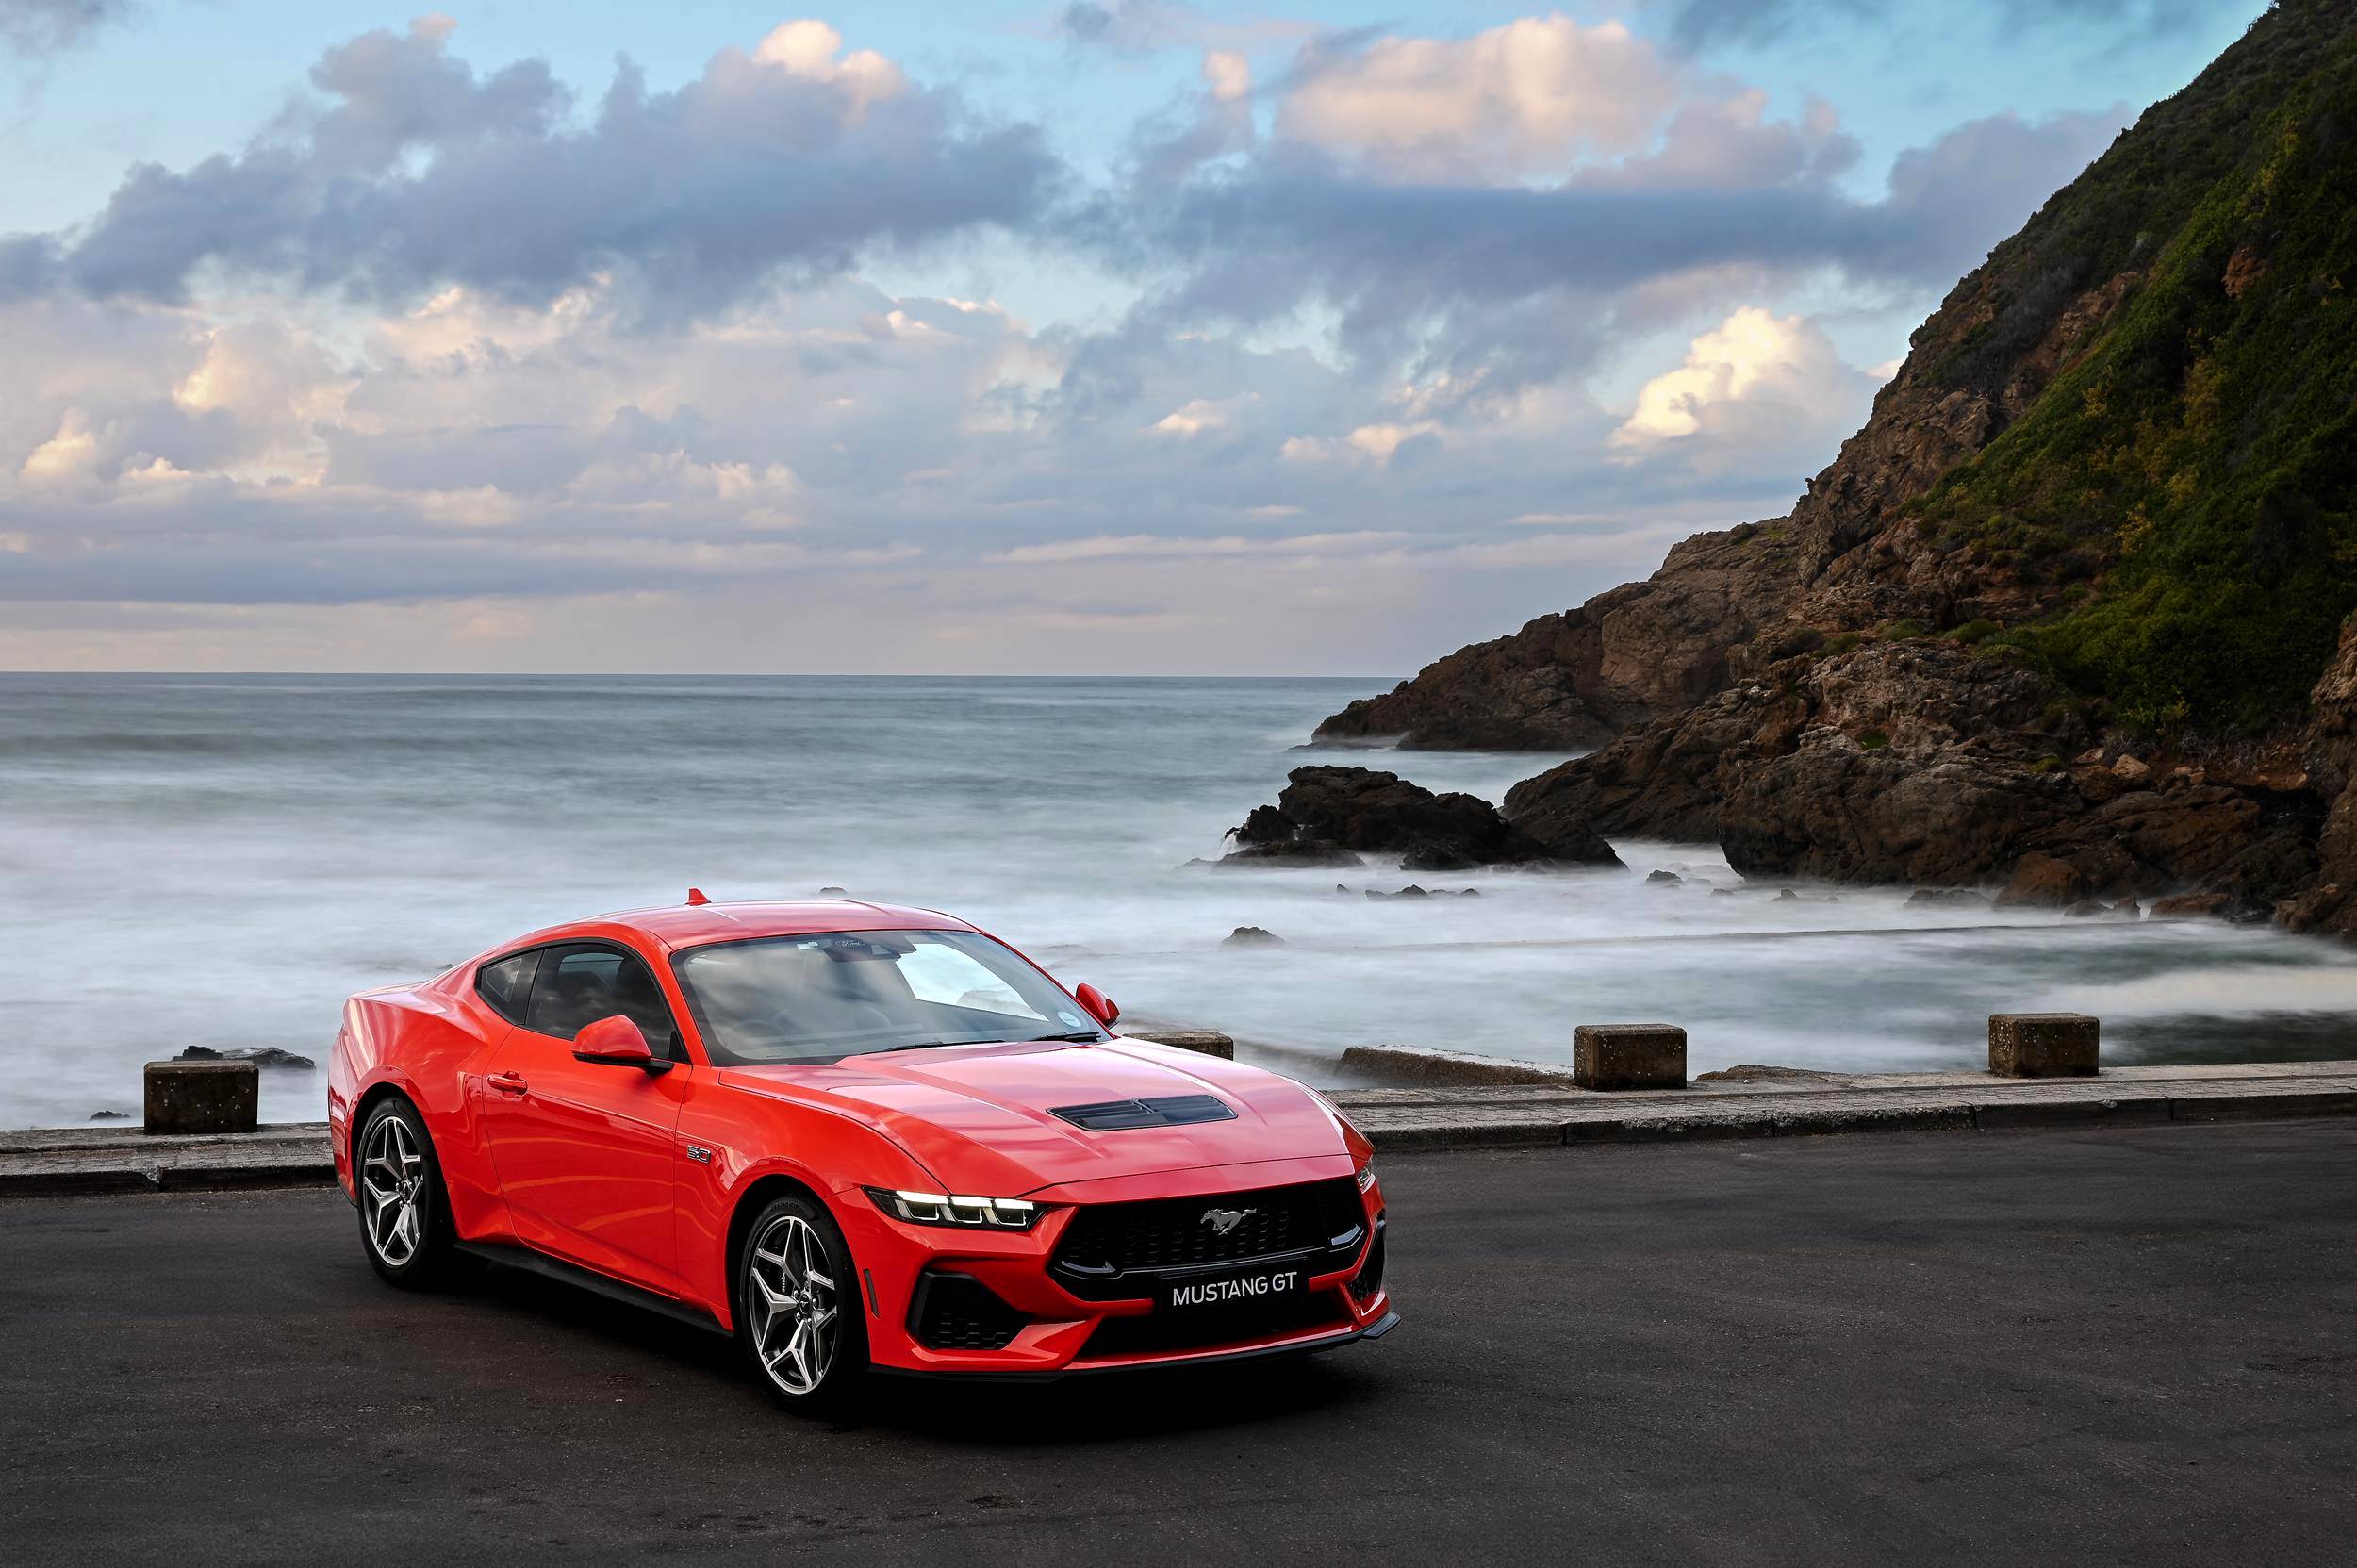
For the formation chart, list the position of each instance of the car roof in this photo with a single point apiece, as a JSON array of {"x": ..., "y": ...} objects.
[{"x": 694, "y": 925}]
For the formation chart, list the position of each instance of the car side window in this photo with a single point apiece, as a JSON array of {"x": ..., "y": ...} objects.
[
  {"x": 506, "y": 984},
  {"x": 575, "y": 986}
]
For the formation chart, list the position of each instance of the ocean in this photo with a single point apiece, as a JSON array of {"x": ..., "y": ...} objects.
[{"x": 217, "y": 861}]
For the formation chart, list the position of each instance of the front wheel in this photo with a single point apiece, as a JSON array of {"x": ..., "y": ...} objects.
[
  {"x": 404, "y": 1212},
  {"x": 798, "y": 1306}
]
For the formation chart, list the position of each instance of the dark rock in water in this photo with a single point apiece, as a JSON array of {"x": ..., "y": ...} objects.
[
  {"x": 1947, "y": 897},
  {"x": 110, "y": 1116},
  {"x": 2124, "y": 909},
  {"x": 1788, "y": 896},
  {"x": 1412, "y": 891},
  {"x": 2088, "y": 909},
  {"x": 1667, "y": 879},
  {"x": 1722, "y": 892},
  {"x": 1302, "y": 851},
  {"x": 1251, "y": 936},
  {"x": 830, "y": 893},
  {"x": 261, "y": 1056},
  {"x": 1323, "y": 811}
]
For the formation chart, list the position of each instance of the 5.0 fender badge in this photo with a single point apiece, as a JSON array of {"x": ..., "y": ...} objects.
[{"x": 702, "y": 1155}]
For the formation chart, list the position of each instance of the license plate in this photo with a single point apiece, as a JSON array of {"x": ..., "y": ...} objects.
[{"x": 1231, "y": 1289}]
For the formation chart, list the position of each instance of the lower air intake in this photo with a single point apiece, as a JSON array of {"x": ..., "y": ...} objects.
[{"x": 956, "y": 1311}]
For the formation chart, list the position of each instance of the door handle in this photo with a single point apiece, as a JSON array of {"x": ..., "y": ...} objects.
[{"x": 512, "y": 1084}]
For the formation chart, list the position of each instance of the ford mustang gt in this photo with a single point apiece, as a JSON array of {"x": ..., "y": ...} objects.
[{"x": 856, "y": 1137}]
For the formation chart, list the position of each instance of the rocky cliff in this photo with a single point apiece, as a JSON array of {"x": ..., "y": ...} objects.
[{"x": 2061, "y": 617}]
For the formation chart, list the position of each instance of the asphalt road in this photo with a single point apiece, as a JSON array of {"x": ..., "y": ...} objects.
[{"x": 2135, "y": 1345}]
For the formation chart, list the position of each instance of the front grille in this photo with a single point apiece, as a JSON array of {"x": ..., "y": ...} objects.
[
  {"x": 1115, "y": 1251},
  {"x": 1159, "y": 1333},
  {"x": 956, "y": 1311},
  {"x": 1116, "y": 1116}
]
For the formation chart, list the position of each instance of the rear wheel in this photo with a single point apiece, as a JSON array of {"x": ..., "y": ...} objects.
[
  {"x": 405, "y": 1210},
  {"x": 798, "y": 1306}
]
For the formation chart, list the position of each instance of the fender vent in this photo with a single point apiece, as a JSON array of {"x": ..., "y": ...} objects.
[{"x": 1112, "y": 1115}]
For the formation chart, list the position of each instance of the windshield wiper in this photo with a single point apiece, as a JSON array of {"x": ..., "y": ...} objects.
[{"x": 1089, "y": 1038}]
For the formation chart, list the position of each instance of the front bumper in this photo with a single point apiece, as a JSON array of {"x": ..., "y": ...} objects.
[{"x": 1045, "y": 1329}]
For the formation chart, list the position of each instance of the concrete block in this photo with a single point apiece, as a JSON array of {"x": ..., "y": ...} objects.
[
  {"x": 1629, "y": 1056},
  {"x": 203, "y": 1097},
  {"x": 1211, "y": 1042},
  {"x": 2043, "y": 1045}
]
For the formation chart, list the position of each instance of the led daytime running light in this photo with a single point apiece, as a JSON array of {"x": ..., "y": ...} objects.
[{"x": 997, "y": 1213}]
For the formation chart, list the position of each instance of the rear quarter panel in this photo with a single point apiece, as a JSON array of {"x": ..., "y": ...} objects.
[{"x": 428, "y": 1045}]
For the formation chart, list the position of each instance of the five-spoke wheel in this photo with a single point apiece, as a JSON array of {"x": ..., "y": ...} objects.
[
  {"x": 405, "y": 1215},
  {"x": 793, "y": 1300},
  {"x": 392, "y": 1190},
  {"x": 800, "y": 1303}
]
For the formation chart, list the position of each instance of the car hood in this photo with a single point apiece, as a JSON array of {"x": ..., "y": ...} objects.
[{"x": 980, "y": 1117}]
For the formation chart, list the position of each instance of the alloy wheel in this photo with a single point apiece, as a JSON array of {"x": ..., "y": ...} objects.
[
  {"x": 393, "y": 1190},
  {"x": 792, "y": 1305}
]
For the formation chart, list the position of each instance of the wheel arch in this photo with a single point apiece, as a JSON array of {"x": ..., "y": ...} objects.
[
  {"x": 757, "y": 1193},
  {"x": 363, "y": 1107}
]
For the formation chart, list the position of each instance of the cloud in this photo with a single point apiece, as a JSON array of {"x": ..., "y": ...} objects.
[
  {"x": 413, "y": 171},
  {"x": 1754, "y": 378},
  {"x": 47, "y": 27},
  {"x": 1527, "y": 98}
]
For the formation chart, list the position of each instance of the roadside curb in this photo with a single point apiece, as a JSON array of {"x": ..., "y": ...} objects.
[
  {"x": 1507, "y": 1118},
  {"x": 67, "y": 1161}
]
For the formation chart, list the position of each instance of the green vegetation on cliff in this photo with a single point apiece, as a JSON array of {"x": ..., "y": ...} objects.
[{"x": 2186, "y": 486}]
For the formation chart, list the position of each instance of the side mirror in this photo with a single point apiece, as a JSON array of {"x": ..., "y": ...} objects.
[
  {"x": 616, "y": 1042},
  {"x": 1099, "y": 1005}
]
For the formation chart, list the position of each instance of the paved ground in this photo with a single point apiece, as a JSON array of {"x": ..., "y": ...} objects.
[{"x": 2135, "y": 1345}]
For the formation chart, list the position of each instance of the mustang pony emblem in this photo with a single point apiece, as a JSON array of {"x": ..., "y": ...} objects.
[{"x": 1224, "y": 1220}]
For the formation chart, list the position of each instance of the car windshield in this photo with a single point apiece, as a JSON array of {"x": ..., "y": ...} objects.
[{"x": 829, "y": 994}]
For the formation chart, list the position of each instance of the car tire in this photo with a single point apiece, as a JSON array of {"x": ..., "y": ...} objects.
[
  {"x": 800, "y": 1314},
  {"x": 405, "y": 1226}
]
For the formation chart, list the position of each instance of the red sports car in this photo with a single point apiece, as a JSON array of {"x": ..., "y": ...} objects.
[{"x": 856, "y": 1136}]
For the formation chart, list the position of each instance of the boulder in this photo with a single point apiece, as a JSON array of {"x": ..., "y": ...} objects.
[
  {"x": 1251, "y": 936},
  {"x": 2042, "y": 880},
  {"x": 2190, "y": 906},
  {"x": 1668, "y": 879},
  {"x": 1324, "y": 810}
]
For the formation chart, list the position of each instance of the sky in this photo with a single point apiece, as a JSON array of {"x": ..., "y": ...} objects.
[{"x": 1082, "y": 335}]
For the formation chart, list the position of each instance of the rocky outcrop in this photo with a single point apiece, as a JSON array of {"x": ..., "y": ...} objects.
[
  {"x": 1574, "y": 679},
  {"x": 1924, "y": 761},
  {"x": 2105, "y": 447},
  {"x": 1350, "y": 810}
]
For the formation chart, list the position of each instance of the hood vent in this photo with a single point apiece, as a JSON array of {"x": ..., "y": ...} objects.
[{"x": 1114, "y": 1115}]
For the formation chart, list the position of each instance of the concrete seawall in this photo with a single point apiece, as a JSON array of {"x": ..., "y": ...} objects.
[{"x": 82, "y": 1159}]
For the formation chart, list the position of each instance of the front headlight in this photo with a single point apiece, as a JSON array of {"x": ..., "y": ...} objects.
[{"x": 997, "y": 1213}]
